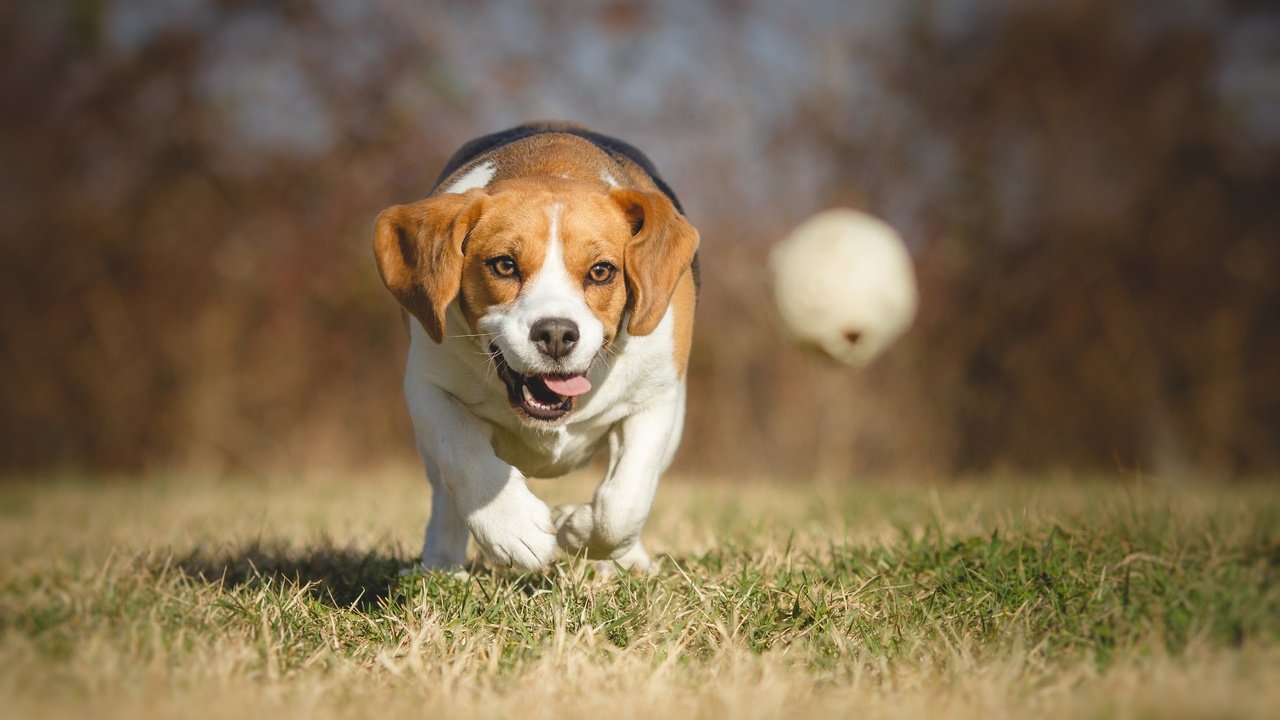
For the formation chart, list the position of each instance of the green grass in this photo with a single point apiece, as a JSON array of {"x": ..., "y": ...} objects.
[{"x": 1051, "y": 599}]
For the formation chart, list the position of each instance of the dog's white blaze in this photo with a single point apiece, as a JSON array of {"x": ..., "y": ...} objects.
[
  {"x": 552, "y": 282},
  {"x": 477, "y": 177},
  {"x": 609, "y": 179},
  {"x": 550, "y": 293}
]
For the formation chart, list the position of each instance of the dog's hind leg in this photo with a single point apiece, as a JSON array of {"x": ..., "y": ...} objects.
[{"x": 445, "y": 543}]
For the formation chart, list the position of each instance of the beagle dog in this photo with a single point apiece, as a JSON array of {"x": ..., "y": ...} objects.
[{"x": 551, "y": 278}]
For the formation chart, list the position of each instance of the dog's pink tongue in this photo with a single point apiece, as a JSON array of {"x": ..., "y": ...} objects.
[{"x": 571, "y": 386}]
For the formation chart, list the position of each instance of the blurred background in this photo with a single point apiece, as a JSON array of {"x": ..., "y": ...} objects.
[{"x": 1090, "y": 188}]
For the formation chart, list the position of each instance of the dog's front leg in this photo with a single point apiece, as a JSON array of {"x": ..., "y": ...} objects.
[
  {"x": 511, "y": 525},
  {"x": 640, "y": 448}
]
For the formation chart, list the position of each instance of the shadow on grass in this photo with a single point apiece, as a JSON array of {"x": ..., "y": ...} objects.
[
  {"x": 338, "y": 576},
  {"x": 342, "y": 577}
]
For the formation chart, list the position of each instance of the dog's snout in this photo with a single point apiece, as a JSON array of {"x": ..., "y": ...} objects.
[{"x": 554, "y": 337}]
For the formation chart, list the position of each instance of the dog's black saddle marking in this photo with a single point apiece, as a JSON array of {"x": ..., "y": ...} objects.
[{"x": 611, "y": 145}]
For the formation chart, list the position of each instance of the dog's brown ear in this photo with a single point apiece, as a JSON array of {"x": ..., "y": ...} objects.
[
  {"x": 419, "y": 250},
  {"x": 660, "y": 252}
]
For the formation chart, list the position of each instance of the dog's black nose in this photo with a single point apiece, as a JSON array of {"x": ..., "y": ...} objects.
[{"x": 554, "y": 337}]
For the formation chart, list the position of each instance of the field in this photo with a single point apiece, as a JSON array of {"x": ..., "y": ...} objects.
[{"x": 1057, "y": 597}]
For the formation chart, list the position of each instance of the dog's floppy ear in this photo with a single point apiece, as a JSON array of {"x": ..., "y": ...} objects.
[
  {"x": 660, "y": 252},
  {"x": 419, "y": 250}
]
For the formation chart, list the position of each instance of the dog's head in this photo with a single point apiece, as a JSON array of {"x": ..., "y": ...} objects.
[{"x": 544, "y": 271}]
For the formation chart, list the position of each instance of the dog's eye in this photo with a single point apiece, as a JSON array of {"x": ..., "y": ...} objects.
[
  {"x": 504, "y": 266},
  {"x": 601, "y": 273}
]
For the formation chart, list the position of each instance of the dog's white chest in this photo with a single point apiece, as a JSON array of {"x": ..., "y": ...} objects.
[{"x": 548, "y": 453}]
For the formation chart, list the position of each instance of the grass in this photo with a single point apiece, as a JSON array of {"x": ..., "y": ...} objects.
[{"x": 1056, "y": 598}]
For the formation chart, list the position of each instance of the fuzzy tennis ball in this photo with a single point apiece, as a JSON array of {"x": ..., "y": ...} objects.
[{"x": 844, "y": 285}]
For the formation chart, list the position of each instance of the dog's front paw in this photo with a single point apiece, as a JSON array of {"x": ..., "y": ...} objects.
[
  {"x": 515, "y": 530},
  {"x": 577, "y": 534},
  {"x": 574, "y": 525},
  {"x": 633, "y": 558}
]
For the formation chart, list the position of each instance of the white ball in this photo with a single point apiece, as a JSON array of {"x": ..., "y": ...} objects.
[{"x": 844, "y": 285}]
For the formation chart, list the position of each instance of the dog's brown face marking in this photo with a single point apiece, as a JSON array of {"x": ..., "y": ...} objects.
[
  {"x": 531, "y": 248},
  {"x": 507, "y": 248}
]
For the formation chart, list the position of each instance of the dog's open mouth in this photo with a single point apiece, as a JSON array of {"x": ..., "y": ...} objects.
[{"x": 540, "y": 397}]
